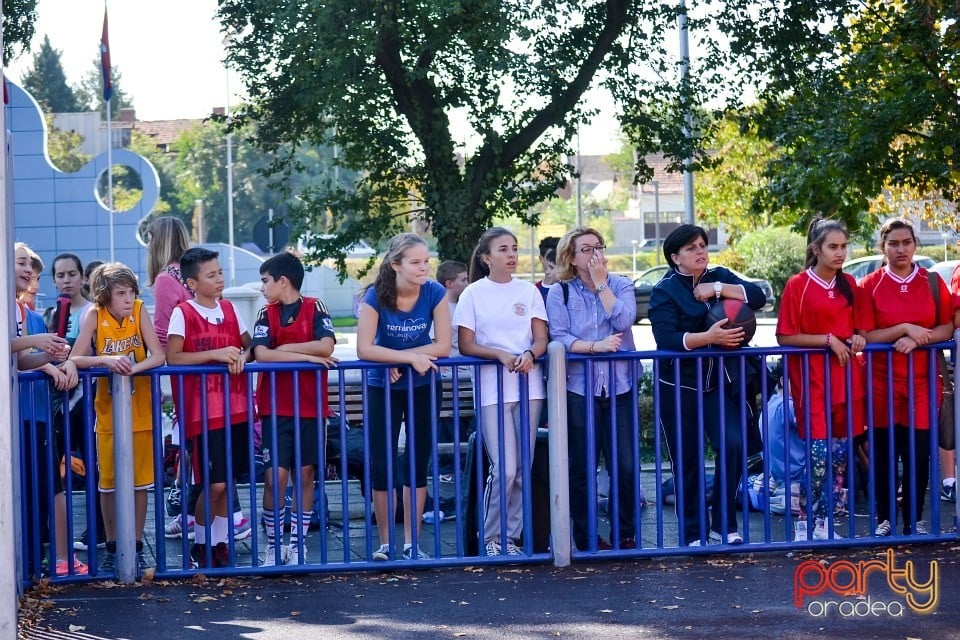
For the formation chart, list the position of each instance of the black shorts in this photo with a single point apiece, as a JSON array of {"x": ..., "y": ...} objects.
[
  {"x": 284, "y": 455},
  {"x": 214, "y": 459}
]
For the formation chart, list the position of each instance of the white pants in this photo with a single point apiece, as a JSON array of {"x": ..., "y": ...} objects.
[{"x": 508, "y": 469}]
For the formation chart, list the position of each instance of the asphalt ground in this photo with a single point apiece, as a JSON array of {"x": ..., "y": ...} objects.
[{"x": 740, "y": 596}]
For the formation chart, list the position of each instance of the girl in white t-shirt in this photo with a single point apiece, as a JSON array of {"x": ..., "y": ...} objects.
[{"x": 503, "y": 319}]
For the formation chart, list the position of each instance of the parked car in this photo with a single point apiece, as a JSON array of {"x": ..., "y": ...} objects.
[
  {"x": 945, "y": 268},
  {"x": 644, "y": 283},
  {"x": 859, "y": 267}
]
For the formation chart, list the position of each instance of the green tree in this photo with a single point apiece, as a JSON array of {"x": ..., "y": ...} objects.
[
  {"x": 90, "y": 91},
  {"x": 860, "y": 96},
  {"x": 64, "y": 148},
  {"x": 383, "y": 80},
  {"x": 47, "y": 82},
  {"x": 773, "y": 253},
  {"x": 19, "y": 17}
]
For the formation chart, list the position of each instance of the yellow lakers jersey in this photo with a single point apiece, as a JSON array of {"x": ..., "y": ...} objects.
[{"x": 122, "y": 338}]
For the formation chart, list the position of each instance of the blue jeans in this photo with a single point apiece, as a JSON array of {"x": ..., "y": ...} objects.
[{"x": 621, "y": 466}]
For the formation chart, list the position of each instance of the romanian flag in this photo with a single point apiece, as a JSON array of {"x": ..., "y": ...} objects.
[{"x": 105, "y": 61}]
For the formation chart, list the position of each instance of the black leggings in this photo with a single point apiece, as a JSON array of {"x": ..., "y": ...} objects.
[
  {"x": 914, "y": 477},
  {"x": 377, "y": 424}
]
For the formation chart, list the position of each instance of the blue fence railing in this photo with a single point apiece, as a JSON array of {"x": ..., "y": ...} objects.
[{"x": 708, "y": 448}]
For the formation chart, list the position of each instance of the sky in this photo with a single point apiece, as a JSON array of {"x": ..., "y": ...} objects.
[{"x": 169, "y": 54}]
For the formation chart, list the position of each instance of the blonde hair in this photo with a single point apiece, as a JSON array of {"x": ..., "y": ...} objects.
[
  {"x": 167, "y": 241},
  {"x": 107, "y": 276},
  {"x": 567, "y": 248}
]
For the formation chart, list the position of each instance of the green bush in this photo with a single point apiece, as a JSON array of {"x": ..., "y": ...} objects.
[{"x": 773, "y": 254}]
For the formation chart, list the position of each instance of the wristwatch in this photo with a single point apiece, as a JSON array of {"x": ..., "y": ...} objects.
[
  {"x": 718, "y": 289},
  {"x": 602, "y": 288}
]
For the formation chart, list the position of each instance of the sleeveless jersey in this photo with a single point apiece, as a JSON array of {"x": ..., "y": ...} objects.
[
  {"x": 200, "y": 335},
  {"x": 300, "y": 330},
  {"x": 122, "y": 338}
]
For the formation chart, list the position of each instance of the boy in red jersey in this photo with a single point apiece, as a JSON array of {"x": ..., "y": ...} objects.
[
  {"x": 207, "y": 330},
  {"x": 290, "y": 328},
  {"x": 120, "y": 335}
]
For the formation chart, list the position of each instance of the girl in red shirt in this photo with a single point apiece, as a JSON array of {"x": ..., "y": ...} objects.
[
  {"x": 902, "y": 311},
  {"x": 817, "y": 309}
]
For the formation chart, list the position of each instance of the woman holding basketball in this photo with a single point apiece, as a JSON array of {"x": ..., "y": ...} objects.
[
  {"x": 592, "y": 311},
  {"x": 817, "y": 309},
  {"x": 708, "y": 392},
  {"x": 902, "y": 311}
]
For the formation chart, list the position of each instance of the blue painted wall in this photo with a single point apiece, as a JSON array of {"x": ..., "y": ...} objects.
[{"x": 57, "y": 212}]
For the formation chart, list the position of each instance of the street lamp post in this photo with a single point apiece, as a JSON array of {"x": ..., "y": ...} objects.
[
  {"x": 634, "y": 243},
  {"x": 230, "y": 239}
]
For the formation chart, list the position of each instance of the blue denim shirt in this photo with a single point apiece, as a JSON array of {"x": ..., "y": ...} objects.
[{"x": 584, "y": 318}]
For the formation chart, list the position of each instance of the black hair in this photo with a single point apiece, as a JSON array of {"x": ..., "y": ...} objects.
[
  {"x": 479, "y": 268},
  {"x": 191, "y": 260},
  {"x": 548, "y": 243},
  {"x": 284, "y": 264},
  {"x": 679, "y": 238},
  {"x": 816, "y": 235},
  {"x": 449, "y": 270},
  {"x": 65, "y": 256}
]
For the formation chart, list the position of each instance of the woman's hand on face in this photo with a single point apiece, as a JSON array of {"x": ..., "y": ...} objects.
[
  {"x": 725, "y": 337},
  {"x": 598, "y": 269},
  {"x": 919, "y": 334}
]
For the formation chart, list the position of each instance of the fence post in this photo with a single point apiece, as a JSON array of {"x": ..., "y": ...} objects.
[
  {"x": 956, "y": 425},
  {"x": 121, "y": 388},
  {"x": 559, "y": 455}
]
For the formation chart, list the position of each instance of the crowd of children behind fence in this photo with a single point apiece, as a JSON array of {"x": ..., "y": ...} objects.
[{"x": 206, "y": 329}]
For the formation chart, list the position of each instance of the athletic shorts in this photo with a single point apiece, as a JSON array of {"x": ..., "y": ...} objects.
[
  {"x": 142, "y": 461},
  {"x": 216, "y": 455},
  {"x": 283, "y": 456}
]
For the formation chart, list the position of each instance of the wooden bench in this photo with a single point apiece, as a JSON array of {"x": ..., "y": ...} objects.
[{"x": 461, "y": 398}]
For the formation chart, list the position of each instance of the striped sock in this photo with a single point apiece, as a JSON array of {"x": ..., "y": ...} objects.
[
  {"x": 299, "y": 527},
  {"x": 270, "y": 525}
]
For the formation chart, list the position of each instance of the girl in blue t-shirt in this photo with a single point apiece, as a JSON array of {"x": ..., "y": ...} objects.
[{"x": 396, "y": 315}]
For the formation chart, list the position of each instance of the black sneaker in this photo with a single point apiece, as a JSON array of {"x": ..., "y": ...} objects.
[
  {"x": 198, "y": 556},
  {"x": 80, "y": 544},
  {"x": 948, "y": 492}
]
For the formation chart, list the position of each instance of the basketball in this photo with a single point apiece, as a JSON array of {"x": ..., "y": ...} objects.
[{"x": 737, "y": 313}]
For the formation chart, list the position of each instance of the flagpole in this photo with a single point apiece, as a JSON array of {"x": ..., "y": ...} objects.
[{"x": 110, "y": 177}]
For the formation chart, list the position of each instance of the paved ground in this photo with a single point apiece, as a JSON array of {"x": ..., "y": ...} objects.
[{"x": 744, "y": 596}]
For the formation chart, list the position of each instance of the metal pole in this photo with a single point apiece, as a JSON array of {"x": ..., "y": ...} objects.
[
  {"x": 559, "y": 454},
  {"x": 956, "y": 422},
  {"x": 110, "y": 179},
  {"x": 533, "y": 254},
  {"x": 121, "y": 388},
  {"x": 273, "y": 249},
  {"x": 634, "y": 243},
  {"x": 688, "y": 115},
  {"x": 579, "y": 195},
  {"x": 656, "y": 220},
  {"x": 233, "y": 261},
  {"x": 11, "y": 567}
]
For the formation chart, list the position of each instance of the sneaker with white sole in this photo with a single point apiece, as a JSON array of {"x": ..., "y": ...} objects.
[
  {"x": 733, "y": 537},
  {"x": 242, "y": 530},
  {"x": 294, "y": 554},
  {"x": 270, "y": 556},
  {"x": 800, "y": 531},
  {"x": 920, "y": 528},
  {"x": 174, "y": 528},
  {"x": 822, "y": 532},
  {"x": 408, "y": 551},
  {"x": 382, "y": 554},
  {"x": 883, "y": 529},
  {"x": 513, "y": 550},
  {"x": 493, "y": 548},
  {"x": 948, "y": 492}
]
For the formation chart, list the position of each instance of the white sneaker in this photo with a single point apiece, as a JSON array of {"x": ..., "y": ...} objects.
[
  {"x": 382, "y": 554},
  {"x": 733, "y": 537},
  {"x": 800, "y": 531},
  {"x": 883, "y": 529},
  {"x": 294, "y": 556},
  {"x": 920, "y": 528},
  {"x": 408, "y": 553},
  {"x": 174, "y": 528},
  {"x": 513, "y": 550},
  {"x": 493, "y": 548},
  {"x": 821, "y": 532},
  {"x": 270, "y": 556}
]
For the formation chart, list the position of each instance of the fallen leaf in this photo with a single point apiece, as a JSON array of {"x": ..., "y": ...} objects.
[
  {"x": 294, "y": 613},
  {"x": 75, "y": 627},
  {"x": 671, "y": 606},
  {"x": 606, "y": 610},
  {"x": 205, "y": 599}
]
